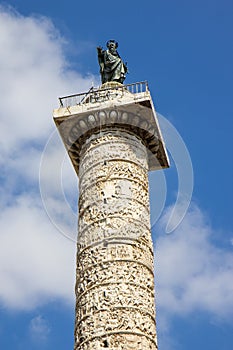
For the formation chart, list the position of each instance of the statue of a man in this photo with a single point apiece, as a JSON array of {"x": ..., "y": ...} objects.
[{"x": 112, "y": 68}]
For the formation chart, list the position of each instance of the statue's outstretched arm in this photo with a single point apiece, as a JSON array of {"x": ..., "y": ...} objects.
[{"x": 100, "y": 53}]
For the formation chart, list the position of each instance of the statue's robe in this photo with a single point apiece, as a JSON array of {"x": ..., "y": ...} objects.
[{"x": 112, "y": 67}]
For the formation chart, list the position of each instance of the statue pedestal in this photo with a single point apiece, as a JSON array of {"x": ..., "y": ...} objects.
[{"x": 124, "y": 105}]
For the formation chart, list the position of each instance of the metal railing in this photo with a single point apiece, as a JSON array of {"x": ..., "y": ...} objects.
[{"x": 95, "y": 95}]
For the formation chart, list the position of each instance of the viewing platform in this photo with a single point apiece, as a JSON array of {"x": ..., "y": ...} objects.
[{"x": 128, "y": 107}]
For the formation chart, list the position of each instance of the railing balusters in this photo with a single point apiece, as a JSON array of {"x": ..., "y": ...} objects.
[{"x": 95, "y": 94}]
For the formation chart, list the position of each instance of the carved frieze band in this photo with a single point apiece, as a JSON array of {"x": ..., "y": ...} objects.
[
  {"x": 117, "y": 320},
  {"x": 107, "y": 230},
  {"x": 109, "y": 146},
  {"x": 109, "y": 271},
  {"x": 110, "y": 249},
  {"x": 122, "y": 340}
]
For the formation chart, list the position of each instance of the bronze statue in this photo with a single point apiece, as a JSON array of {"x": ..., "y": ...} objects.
[{"x": 112, "y": 68}]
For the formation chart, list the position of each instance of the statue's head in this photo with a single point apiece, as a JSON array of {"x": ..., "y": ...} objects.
[{"x": 112, "y": 44}]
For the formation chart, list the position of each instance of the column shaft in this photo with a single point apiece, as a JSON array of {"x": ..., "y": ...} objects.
[{"x": 115, "y": 281}]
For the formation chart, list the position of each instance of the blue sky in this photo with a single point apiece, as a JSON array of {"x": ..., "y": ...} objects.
[{"x": 184, "y": 50}]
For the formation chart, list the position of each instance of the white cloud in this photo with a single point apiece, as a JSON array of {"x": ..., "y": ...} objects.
[
  {"x": 37, "y": 263},
  {"x": 34, "y": 72},
  {"x": 59, "y": 187},
  {"x": 192, "y": 273},
  {"x": 39, "y": 329}
]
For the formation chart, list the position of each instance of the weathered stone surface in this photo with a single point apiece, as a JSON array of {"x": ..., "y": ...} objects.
[{"x": 115, "y": 283}]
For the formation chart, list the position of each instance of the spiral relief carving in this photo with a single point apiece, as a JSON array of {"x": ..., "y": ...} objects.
[{"x": 115, "y": 284}]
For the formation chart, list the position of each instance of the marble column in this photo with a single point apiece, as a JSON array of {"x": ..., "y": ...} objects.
[
  {"x": 115, "y": 283},
  {"x": 113, "y": 139}
]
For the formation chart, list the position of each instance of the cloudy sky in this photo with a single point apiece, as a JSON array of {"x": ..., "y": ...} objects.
[{"x": 184, "y": 50}]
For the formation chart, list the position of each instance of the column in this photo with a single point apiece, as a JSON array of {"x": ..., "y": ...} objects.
[{"x": 115, "y": 306}]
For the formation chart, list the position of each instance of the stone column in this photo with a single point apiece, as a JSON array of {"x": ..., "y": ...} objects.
[
  {"x": 115, "y": 283},
  {"x": 113, "y": 139}
]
